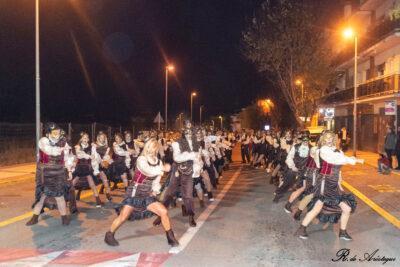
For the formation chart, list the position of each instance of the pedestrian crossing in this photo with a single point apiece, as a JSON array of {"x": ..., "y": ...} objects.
[{"x": 41, "y": 258}]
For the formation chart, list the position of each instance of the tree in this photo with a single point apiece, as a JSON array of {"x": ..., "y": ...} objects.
[{"x": 285, "y": 44}]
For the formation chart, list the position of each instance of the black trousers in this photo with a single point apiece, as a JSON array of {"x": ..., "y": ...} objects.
[
  {"x": 186, "y": 182},
  {"x": 245, "y": 153},
  {"x": 289, "y": 178},
  {"x": 389, "y": 153}
]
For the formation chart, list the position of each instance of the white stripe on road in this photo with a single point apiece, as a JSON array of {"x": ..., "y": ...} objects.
[{"x": 189, "y": 234}]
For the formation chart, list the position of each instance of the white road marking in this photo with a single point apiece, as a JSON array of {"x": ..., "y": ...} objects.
[
  {"x": 190, "y": 233},
  {"x": 37, "y": 261},
  {"x": 130, "y": 260}
]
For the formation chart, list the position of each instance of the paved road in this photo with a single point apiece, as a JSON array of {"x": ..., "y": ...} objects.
[{"x": 242, "y": 228}]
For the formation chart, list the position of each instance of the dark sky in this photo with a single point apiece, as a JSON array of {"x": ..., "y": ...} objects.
[{"x": 122, "y": 47}]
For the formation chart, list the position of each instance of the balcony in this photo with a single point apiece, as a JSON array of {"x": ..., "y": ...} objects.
[
  {"x": 372, "y": 36},
  {"x": 378, "y": 87}
]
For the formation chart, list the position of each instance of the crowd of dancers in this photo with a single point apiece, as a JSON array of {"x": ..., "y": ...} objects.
[
  {"x": 304, "y": 172},
  {"x": 155, "y": 171}
]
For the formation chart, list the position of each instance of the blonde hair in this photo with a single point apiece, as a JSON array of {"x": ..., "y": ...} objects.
[
  {"x": 150, "y": 148},
  {"x": 323, "y": 139}
]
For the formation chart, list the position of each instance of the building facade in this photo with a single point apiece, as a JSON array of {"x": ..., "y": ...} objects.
[{"x": 377, "y": 24}]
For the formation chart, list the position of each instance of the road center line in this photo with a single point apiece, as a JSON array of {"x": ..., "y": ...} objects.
[{"x": 191, "y": 231}]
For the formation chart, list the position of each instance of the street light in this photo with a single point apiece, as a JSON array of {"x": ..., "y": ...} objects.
[
  {"x": 191, "y": 105},
  {"x": 201, "y": 112},
  {"x": 37, "y": 77},
  {"x": 299, "y": 82},
  {"x": 221, "y": 118},
  {"x": 167, "y": 69},
  {"x": 349, "y": 33}
]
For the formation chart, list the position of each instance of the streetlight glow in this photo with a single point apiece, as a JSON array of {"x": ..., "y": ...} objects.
[
  {"x": 170, "y": 67},
  {"x": 194, "y": 94},
  {"x": 298, "y": 82},
  {"x": 348, "y": 33}
]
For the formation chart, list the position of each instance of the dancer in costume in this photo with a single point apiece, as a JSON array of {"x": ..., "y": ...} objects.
[
  {"x": 140, "y": 200},
  {"x": 121, "y": 162},
  {"x": 53, "y": 169},
  {"x": 330, "y": 203},
  {"x": 295, "y": 161},
  {"x": 103, "y": 160},
  {"x": 86, "y": 168}
]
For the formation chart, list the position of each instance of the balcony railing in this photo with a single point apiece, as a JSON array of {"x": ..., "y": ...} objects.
[
  {"x": 377, "y": 87},
  {"x": 372, "y": 36}
]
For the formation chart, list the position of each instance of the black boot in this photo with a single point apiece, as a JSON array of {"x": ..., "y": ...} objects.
[
  {"x": 78, "y": 195},
  {"x": 184, "y": 212},
  {"x": 65, "y": 220},
  {"x": 101, "y": 191},
  {"x": 297, "y": 215},
  {"x": 98, "y": 202},
  {"x": 210, "y": 196},
  {"x": 271, "y": 180},
  {"x": 157, "y": 221},
  {"x": 173, "y": 203},
  {"x": 276, "y": 198},
  {"x": 108, "y": 196},
  {"x": 33, "y": 220},
  {"x": 192, "y": 222},
  {"x": 301, "y": 232},
  {"x": 171, "y": 238},
  {"x": 110, "y": 239},
  {"x": 288, "y": 207},
  {"x": 72, "y": 202},
  {"x": 344, "y": 235}
]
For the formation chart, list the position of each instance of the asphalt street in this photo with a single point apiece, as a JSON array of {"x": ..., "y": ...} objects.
[{"x": 241, "y": 228}]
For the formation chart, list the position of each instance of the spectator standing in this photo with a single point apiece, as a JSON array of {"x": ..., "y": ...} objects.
[{"x": 390, "y": 144}]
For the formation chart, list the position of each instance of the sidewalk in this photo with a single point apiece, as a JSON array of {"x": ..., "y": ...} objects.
[
  {"x": 380, "y": 192},
  {"x": 15, "y": 173}
]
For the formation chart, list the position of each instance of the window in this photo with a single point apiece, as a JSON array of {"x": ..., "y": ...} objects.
[{"x": 380, "y": 69}]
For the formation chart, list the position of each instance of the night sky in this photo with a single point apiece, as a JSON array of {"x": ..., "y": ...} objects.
[{"x": 104, "y": 60}]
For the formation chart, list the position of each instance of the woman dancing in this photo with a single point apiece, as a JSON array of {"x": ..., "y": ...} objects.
[
  {"x": 140, "y": 199},
  {"x": 330, "y": 203}
]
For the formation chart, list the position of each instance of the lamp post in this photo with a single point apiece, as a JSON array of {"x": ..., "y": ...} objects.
[
  {"x": 37, "y": 78},
  {"x": 221, "y": 118},
  {"x": 167, "y": 69},
  {"x": 349, "y": 33},
  {"x": 191, "y": 105},
  {"x": 201, "y": 112},
  {"x": 300, "y": 83}
]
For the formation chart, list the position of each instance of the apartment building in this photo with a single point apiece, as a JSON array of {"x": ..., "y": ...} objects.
[{"x": 377, "y": 24}]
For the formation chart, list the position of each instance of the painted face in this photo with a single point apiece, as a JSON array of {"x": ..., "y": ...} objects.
[
  {"x": 55, "y": 135},
  {"x": 101, "y": 139},
  {"x": 128, "y": 138},
  {"x": 198, "y": 136},
  {"x": 329, "y": 140},
  {"x": 118, "y": 139},
  {"x": 85, "y": 139}
]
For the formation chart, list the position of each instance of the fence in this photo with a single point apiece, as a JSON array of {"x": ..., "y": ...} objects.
[{"x": 17, "y": 141}]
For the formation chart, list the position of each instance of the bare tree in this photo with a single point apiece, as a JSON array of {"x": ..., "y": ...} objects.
[{"x": 285, "y": 44}]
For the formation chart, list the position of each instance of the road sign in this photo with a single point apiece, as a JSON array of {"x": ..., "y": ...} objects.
[{"x": 158, "y": 119}]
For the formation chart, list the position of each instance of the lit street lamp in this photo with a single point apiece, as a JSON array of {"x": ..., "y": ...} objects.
[
  {"x": 191, "y": 105},
  {"x": 349, "y": 33},
  {"x": 37, "y": 77},
  {"x": 167, "y": 69},
  {"x": 221, "y": 118}
]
